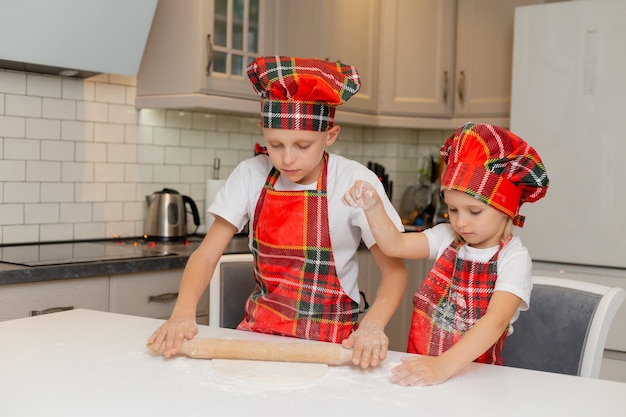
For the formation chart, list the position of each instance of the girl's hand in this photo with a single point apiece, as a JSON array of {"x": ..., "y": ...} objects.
[
  {"x": 420, "y": 370},
  {"x": 168, "y": 338},
  {"x": 361, "y": 195},
  {"x": 369, "y": 345}
]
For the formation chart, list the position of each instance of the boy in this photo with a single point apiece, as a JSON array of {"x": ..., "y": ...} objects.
[{"x": 304, "y": 240}]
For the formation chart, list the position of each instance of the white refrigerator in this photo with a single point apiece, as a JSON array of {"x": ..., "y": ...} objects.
[{"x": 569, "y": 102}]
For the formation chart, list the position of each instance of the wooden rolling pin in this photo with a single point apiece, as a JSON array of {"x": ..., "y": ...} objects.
[{"x": 310, "y": 352}]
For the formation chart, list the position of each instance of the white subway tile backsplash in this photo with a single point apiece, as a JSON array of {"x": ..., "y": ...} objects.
[
  {"x": 77, "y": 131},
  {"x": 122, "y": 113},
  {"x": 12, "y": 170},
  {"x": 59, "y": 109},
  {"x": 23, "y": 105},
  {"x": 41, "y": 213},
  {"x": 177, "y": 156},
  {"x": 43, "y": 129},
  {"x": 12, "y": 127},
  {"x": 107, "y": 172},
  {"x": 43, "y": 171},
  {"x": 22, "y": 192},
  {"x": 12, "y": 82},
  {"x": 54, "y": 150},
  {"x": 22, "y": 149},
  {"x": 108, "y": 211},
  {"x": 110, "y": 93},
  {"x": 121, "y": 153},
  {"x": 77, "y": 172},
  {"x": 75, "y": 212},
  {"x": 74, "y": 89},
  {"x": 108, "y": 133},
  {"x": 60, "y": 231},
  {"x": 90, "y": 152},
  {"x": 77, "y": 158},
  {"x": 43, "y": 86},
  {"x": 57, "y": 192},
  {"x": 11, "y": 214},
  {"x": 120, "y": 192},
  {"x": 90, "y": 192},
  {"x": 91, "y": 111}
]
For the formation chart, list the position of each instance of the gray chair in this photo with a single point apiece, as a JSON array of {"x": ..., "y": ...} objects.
[
  {"x": 565, "y": 328},
  {"x": 231, "y": 284}
]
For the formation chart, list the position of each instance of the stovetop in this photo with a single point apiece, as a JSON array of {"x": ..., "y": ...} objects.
[{"x": 59, "y": 253}]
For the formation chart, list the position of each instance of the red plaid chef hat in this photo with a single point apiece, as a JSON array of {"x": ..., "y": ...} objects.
[
  {"x": 301, "y": 93},
  {"x": 494, "y": 166}
]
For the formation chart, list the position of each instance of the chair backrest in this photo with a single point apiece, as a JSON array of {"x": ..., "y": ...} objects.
[
  {"x": 231, "y": 284},
  {"x": 565, "y": 327}
]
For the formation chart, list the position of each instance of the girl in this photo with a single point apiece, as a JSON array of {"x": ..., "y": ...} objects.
[{"x": 482, "y": 276}]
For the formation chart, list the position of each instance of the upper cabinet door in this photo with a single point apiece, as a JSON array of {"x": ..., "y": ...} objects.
[
  {"x": 335, "y": 30},
  {"x": 484, "y": 57},
  {"x": 417, "y": 57},
  {"x": 202, "y": 47}
]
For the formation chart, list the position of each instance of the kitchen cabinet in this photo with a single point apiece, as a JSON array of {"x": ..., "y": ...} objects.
[
  {"x": 198, "y": 50},
  {"x": 447, "y": 58},
  {"x": 335, "y": 30},
  {"x": 28, "y": 299},
  {"x": 151, "y": 294},
  {"x": 369, "y": 279}
]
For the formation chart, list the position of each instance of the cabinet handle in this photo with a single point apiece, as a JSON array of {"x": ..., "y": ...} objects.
[
  {"x": 209, "y": 47},
  {"x": 461, "y": 86},
  {"x": 50, "y": 310},
  {"x": 163, "y": 298},
  {"x": 446, "y": 82}
]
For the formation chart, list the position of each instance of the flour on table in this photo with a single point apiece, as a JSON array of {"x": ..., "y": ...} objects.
[{"x": 275, "y": 373}]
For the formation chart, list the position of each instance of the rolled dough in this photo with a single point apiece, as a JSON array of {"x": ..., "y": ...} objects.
[{"x": 275, "y": 373}]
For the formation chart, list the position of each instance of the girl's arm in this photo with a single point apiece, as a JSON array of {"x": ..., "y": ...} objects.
[
  {"x": 391, "y": 241},
  {"x": 431, "y": 370}
]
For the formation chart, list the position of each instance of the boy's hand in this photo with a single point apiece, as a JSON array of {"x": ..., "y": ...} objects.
[
  {"x": 168, "y": 338},
  {"x": 369, "y": 345},
  {"x": 361, "y": 195}
]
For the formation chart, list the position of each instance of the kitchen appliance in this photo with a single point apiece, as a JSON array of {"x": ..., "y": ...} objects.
[
  {"x": 568, "y": 89},
  {"x": 166, "y": 215},
  {"x": 567, "y": 101},
  {"x": 74, "y": 38},
  {"x": 60, "y": 253}
]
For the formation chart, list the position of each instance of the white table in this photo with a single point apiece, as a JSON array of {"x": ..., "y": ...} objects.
[{"x": 88, "y": 363}]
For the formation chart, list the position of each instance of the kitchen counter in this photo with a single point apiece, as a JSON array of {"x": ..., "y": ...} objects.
[
  {"x": 177, "y": 256},
  {"x": 84, "y": 362}
]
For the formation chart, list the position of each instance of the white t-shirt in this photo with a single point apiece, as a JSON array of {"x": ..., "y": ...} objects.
[
  {"x": 514, "y": 262},
  {"x": 237, "y": 200}
]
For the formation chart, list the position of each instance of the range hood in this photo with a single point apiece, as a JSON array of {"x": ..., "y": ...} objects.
[{"x": 78, "y": 38}]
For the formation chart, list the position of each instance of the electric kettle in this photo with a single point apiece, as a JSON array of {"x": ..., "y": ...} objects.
[{"x": 166, "y": 215}]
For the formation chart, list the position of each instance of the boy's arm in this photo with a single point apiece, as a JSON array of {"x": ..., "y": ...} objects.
[
  {"x": 196, "y": 276},
  {"x": 369, "y": 341}
]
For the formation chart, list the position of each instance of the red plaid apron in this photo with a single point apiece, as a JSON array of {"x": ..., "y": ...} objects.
[
  {"x": 297, "y": 290},
  {"x": 445, "y": 308}
]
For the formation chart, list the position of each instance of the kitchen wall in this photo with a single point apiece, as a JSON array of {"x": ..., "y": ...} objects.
[{"x": 77, "y": 158}]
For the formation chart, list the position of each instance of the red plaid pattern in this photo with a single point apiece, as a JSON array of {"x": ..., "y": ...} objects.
[
  {"x": 494, "y": 166},
  {"x": 298, "y": 293},
  {"x": 453, "y": 297},
  {"x": 301, "y": 93}
]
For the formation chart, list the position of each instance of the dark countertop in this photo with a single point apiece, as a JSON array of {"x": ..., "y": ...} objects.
[{"x": 176, "y": 258}]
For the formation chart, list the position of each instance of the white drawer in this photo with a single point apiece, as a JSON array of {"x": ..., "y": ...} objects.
[
  {"x": 24, "y": 300},
  {"x": 149, "y": 294}
]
